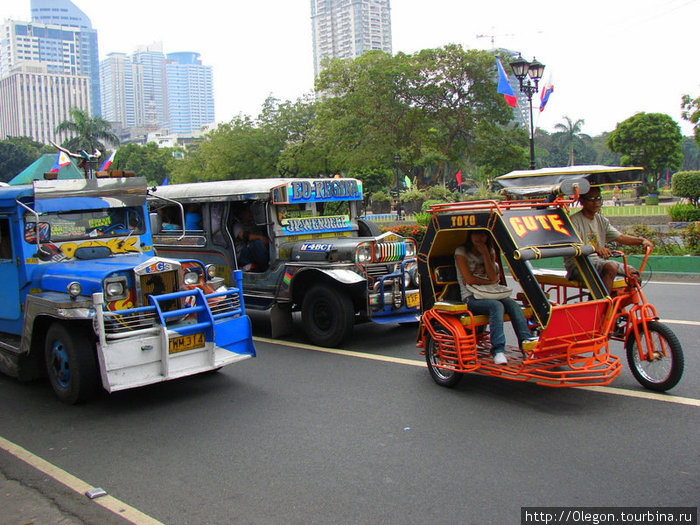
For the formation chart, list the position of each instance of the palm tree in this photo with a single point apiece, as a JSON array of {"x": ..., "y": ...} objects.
[
  {"x": 89, "y": 132},
  {"x": 571, "y": 135}
]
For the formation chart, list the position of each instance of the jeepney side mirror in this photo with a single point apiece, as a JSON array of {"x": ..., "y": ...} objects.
[{"x": 156, "y": 223}]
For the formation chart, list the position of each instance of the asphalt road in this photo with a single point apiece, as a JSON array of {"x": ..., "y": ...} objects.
[{"x": 307, "y": 435}]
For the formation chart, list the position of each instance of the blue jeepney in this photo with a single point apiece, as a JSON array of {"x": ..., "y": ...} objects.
[{"x": 87, "y": 302}]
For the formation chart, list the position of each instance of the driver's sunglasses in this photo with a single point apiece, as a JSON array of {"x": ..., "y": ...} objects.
[{"x": 592, "y": 199}]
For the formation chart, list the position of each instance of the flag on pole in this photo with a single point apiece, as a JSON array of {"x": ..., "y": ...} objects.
[
  {"x": 458, "y": 176},
  {"x": 504, "y": 86},
  {"x": 547, "y": 90},
  {"x": 108, "y": 162},
  {"x": 407, "y": 181},
  {"x": 61, "y": 160},
  {"x": 165, "y": 181}
]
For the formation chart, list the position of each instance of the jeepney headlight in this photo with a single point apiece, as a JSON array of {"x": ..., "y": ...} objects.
[
  {"x": 211, "y": 271},
  {"x": 74, "y": 289},
  {"x": 191, "y": 278},
  {"x": 409, "y": 275},
  {"x": 363, "y": 254},
  {"x": 115, "y": 288},
  {"x": 410, "y": 249}
]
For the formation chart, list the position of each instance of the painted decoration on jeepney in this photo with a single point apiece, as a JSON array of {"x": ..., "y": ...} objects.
[
  {"x": 323, "y": 190},
  {"x": 545, "y": 227},
  {"x": 316, "y": 247},
  {"x": 301, "y": 226},
  {"x": 57, "y": 252}
]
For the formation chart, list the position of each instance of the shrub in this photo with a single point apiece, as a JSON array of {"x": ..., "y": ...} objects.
[
  {"x": 415, "y": 231},
  {"x": 423, "y": 219},
  {"x": 687, "y": 184},
  {"x": 684, "y": 213},
  {"x": 691, "y": 238},
  {"x": 663, "y": 244},
  {"x": 427, "y": 204}
]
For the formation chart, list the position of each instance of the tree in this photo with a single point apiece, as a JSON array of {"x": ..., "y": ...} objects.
[
  {"x": 89, "y": 133},
  {"x": 571, "y": 135},
  {"x": 650, "y": 140},
  {"x": 691, "y": 113},
  {"x": 147, "y": 161},
  {"x": 16, "y": 153}
]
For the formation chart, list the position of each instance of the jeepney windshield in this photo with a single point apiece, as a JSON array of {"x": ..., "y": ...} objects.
[{"x": 85, "y": 224}]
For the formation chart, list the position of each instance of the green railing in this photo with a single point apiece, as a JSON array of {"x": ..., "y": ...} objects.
[{"x": 631, "y": 211}]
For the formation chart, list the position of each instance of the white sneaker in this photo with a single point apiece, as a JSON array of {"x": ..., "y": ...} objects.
[{"x": 500, "y": 358}]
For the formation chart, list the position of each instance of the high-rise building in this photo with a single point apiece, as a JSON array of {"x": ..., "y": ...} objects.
[
  {"x": 34, "y": 100},
  {"x": 63, "y": 37},
  {"x": 119, "y": 95},
  {"x": 348, "y": 28},
  {"x": 149, "y": 91},
  {"x": 190, "y": 92}
]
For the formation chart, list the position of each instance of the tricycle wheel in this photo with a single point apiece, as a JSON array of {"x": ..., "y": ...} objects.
[
  {"x": 441, "y": 376},
  {"x": 327, "y": 316},
  {"x": 662, "y": 372},
  {"x": 71, "y": 363}
]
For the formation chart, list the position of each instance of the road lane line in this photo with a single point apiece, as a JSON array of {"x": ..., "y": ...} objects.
[
  {"x": 655, "y": 396},
  {"x": 676, "y": 321},
  {"x": 108, "y": 502}
]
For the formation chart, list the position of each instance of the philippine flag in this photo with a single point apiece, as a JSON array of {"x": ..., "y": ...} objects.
[
  {"x": 107, "y": 163},
  {"x": 547, "y": 90},
  {"x": 504, "y": 86},
  {"x": 61, "y": 160}
]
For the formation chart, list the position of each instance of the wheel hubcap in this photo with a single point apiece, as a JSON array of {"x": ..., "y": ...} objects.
[{"x": 59, "y": 364}]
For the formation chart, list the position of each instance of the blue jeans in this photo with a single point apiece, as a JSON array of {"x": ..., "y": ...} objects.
[{"x": 496, "y": 310}]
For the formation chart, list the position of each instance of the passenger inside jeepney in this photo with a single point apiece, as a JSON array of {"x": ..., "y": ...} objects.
[
  {"x": 250, "y": 240},
  {"x": 193, "y": 217}
]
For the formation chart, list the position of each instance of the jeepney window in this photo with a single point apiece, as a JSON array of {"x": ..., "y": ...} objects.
[
  {"x": 334, "y": 208},
  {"x": 294, "y": 211},
  {"x": 86, "y": 224},
  {"x": 218, "y": 232},
  {"x": 5, "y": 240}
]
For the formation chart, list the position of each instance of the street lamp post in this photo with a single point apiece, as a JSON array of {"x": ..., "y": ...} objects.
[
  {"x": 397, "y": 159},
  {"x": 528, "y": 75}
]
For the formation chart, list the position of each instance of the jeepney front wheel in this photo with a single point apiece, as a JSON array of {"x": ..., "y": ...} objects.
[
  {"x": 441, "y": 376},
  {"x": 663, "y": 370},
  {"x": 327, "y": 316},
  {"x": 71, "y": 363}
]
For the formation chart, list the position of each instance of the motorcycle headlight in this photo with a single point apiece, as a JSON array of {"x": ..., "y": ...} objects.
[
  {"x": 363, "y": 254},
  {"x": 115, "y": 288}
]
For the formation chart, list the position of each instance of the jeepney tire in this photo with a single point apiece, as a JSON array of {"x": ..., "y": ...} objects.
[
  {"x": 367, "y": 228},
  {"x": 661, "y": 374},
  {"x": 442, "y": 377},
  {"x": 71, "y": 363},
  {"x": 327, "y": 316}
]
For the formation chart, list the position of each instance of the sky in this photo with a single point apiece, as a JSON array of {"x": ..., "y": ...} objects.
[{"x": 609, "y": 59}]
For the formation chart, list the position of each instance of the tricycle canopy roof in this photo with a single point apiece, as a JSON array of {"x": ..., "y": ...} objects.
[
  {"x": 279, "y": 190},
  {"x": 555, "y": 180}
]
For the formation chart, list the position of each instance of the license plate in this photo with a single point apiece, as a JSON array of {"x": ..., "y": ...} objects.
[
  {"x": 412, "y": 299},
  {"x": 186, "y": 342}
]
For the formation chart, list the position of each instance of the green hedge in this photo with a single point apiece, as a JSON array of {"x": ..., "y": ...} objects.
[{"x": 686, "y": 184}]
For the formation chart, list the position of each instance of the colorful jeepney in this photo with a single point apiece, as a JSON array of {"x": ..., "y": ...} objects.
[
  {"x": 324, "y": 261},
  {"x": 87, "y": 302}
]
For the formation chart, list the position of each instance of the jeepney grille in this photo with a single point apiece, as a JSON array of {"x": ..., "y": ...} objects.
[
  {"x": 159, "y": 284},
  {"x": 389, "y": 251},
  {"x": 117, "y": 323}
]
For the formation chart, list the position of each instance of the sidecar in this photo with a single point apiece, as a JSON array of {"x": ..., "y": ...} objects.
[{"x": 572, "y": 349}]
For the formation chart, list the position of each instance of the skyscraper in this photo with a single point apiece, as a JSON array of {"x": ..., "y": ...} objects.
[
  {"x": 34, "y": 101},
  {"x": 150, "y": 91},
  {"x": 63, "y": 37},
  {"x": 190, "y": 92},
  {"x": 348, "y": 28}
]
